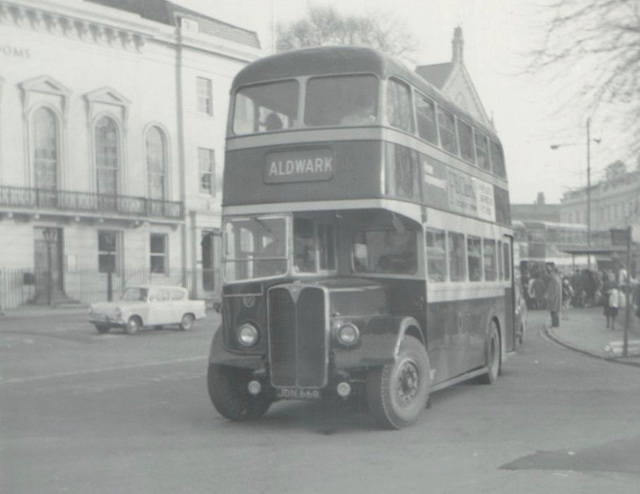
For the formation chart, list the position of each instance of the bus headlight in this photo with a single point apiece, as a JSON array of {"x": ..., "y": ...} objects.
[
  {"x": 348, "y": 334},
  {"x": 247, "y": 335}
]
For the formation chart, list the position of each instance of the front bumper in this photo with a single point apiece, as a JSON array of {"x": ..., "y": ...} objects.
[{"x": 103, "y": 320}]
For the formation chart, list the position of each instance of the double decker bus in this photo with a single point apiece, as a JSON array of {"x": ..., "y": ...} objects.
[
  {"x": 367, "y": 240},
  {"x": 547, "y": 242}
]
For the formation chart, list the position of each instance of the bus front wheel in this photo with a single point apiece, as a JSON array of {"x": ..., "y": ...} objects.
[
  {"x": 228, "y": 393},
  {"x": 397, "y": 393}
]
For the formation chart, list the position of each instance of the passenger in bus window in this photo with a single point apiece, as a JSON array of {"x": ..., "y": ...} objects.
[
  {"x": 399, "y": 253},
  {"x": 273, "y": 123},
  {"x": 363, "y": 113}
]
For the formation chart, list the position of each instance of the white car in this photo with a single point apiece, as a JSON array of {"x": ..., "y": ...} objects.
[{"x": 147, "y": 306}]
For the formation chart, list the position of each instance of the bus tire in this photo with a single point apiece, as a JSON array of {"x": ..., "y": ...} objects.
[
  {"x": 493, "y": 355},
  {"x": 398, "y": 392},
  {"x": 228, "y": 393}
]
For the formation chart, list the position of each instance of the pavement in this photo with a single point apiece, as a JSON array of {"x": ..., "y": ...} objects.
[{"x": 585, "y": 331}]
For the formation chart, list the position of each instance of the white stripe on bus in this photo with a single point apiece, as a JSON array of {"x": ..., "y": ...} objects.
[{"x": 467, "y": 291}]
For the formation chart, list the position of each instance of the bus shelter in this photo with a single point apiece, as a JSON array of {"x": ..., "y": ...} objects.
[{"x": 605, "y": 255}]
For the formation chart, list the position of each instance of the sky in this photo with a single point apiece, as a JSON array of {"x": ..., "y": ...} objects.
[{"x": 496, "y": 35}]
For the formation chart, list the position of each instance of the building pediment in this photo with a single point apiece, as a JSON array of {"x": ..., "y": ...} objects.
[
  {"x": 108, "y": 96},
  {"x": 107, "y": 99},
  {"x": 45, "y": 84},
  {"x": 44, "y": 89}
]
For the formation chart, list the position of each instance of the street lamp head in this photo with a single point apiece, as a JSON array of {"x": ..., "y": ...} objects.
[{"x": 554, "y": 146}]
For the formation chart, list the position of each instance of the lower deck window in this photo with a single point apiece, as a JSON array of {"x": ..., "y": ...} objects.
[
  {"x": 457, "y": 257},
  {"x": 474, "y": 255},
  {"x": 436, "y": 256},
  {"x": 385, "y": 251}
]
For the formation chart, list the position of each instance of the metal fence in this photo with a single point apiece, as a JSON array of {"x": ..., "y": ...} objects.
[
  {"x": 24, "y": 286},
  {"x": 68, "y": 200}
]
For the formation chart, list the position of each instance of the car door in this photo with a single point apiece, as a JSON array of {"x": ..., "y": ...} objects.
[
  {"x": 178, "y": 309},
  {"x": 164, "y": 307}
]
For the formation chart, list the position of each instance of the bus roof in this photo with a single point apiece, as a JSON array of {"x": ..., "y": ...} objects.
[{"x": 343, "y": 60}]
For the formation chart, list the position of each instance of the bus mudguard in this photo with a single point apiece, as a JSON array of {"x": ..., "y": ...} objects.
[
  {"x": 219, "y": 355},
  {"x": 379, "y": 343}
]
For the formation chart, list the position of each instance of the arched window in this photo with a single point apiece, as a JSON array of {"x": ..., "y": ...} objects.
[
  {"x": 156, "y": 163},
  {"x": 107, "y": 155},
  {"x": 45, "y": 149}
]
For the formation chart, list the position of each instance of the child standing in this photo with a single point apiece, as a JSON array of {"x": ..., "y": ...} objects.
[{"x": 611, "y": 308}]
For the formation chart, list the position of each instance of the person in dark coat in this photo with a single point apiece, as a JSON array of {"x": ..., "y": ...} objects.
[
  {"x": 539, "y": 290},
  {"x": 554, "y": 294}
]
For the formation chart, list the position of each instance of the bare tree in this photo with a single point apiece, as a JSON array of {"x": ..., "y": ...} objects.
[
  {"x": 595, "y": 45},
  {"x": 324, "y": 26}
]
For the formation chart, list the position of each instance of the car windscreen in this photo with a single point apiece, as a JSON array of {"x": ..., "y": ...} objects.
[{"x": 135, "y": 294}]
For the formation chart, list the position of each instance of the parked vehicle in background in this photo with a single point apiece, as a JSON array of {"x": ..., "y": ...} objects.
[{"x": 148, "y": 306}]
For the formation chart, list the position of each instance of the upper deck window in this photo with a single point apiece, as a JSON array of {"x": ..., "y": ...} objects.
[
  {"x": 426, "y": 114},
  {"x": 482, "y": 150},
  {"x": 399, "y": 107},
  {"x": 497, "y": 160},
  {"x": 447, "y": 125},
  {"x": 465, "y": 139},
  {"x": 344, "y": 100},
  {"x": 265, "y": 107}
]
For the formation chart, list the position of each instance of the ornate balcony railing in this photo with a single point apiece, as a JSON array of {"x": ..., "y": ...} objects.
[{"x": 87, "y": 202}]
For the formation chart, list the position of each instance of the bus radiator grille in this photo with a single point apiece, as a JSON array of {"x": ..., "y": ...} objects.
[{"x": 298, "y": 343}]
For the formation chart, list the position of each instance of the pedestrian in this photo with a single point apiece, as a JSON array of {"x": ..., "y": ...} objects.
[
  {"x": 612, "y": 296},
  {"x": 539, "y": 291},
  {"x": 554, "y": 294},
  {"x": 567, "y": 297},
  {"x": 531, "y": 296}
]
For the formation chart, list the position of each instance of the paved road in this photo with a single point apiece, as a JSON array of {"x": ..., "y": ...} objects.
[{"x": 82, "y": 412}]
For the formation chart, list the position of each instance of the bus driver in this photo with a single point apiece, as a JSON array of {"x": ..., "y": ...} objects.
[{"x": 399, "y": 253}]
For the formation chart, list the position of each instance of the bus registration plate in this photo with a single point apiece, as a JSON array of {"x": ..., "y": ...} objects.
[{"x": 298, "y": 393}]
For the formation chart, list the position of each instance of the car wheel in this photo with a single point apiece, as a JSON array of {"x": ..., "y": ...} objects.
[
  {"x": 102, "y": 328},
  {"x": 228, "y": 393},
  {"x": 493, "y": 356},
  {"x": 133, "y": 325},
  {"x": 398, "y": 392},
  {"x": 187, "y": 322}
]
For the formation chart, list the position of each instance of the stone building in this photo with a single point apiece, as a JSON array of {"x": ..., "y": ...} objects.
[
  {"x": 615, "y": 202},
  {"x": 112, "y": 125}
]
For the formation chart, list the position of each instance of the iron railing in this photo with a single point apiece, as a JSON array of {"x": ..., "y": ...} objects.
[
  {"x": 23, "y": 286},
  {"x": 88, "y": 202}
]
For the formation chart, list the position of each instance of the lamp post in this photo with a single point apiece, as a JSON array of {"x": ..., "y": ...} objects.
[
  {"x": 597, "y": 141},
  {"x": 49, "y": 235}
]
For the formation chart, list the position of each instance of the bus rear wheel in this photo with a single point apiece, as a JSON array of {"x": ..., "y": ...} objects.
[
  {"x": 493, "y": 356},
  {"x": 228, "y": 393},
  {"x": 398, "y": 392}
]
